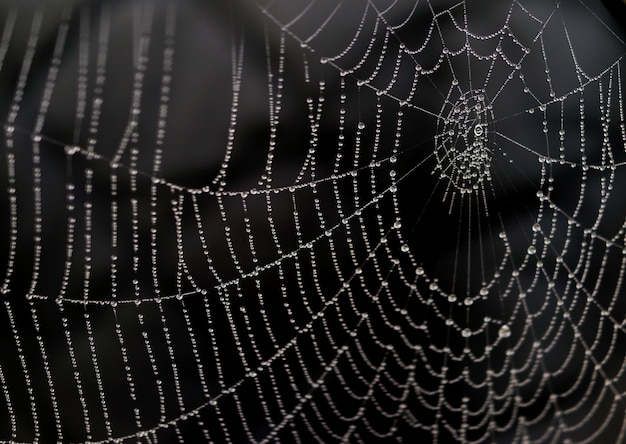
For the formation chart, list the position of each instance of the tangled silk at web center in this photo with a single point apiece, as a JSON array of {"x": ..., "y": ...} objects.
[{"x": 462, "y": 141}]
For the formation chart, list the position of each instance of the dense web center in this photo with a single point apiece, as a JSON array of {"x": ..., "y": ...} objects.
[{"x": 462, "y": 143}]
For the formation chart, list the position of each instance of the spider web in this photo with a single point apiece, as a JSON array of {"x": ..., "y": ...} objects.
[{"x": 312, "y": 222}]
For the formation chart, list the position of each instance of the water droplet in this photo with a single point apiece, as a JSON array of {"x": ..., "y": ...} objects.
[
  {"x": 468, "y": 301},
  {"x": 404, "y": 248},
  {"x": 484, "y": 291},
  {"x": 504, "y": 331},
  {"x": 532, "y": 249},
  {"x": 451, "y": 298},
  {"x": 466, "y": 333},
  {"x": 536, "y": 228},
  {"x": 419, "y": 271},
  {"x": 70, "y": 150}
]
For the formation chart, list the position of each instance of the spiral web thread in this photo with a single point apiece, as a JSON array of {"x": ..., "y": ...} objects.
[{"x": 313, "y": 293}]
